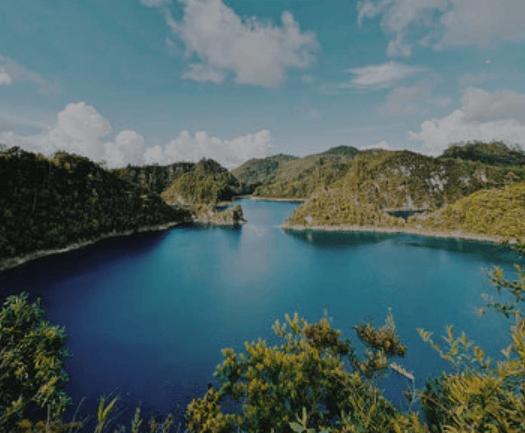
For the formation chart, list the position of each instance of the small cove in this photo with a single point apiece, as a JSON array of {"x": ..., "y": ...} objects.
[{"x": 148, "y": 314}]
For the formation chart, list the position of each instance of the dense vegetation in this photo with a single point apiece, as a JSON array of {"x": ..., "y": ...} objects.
[
  {"x": 380, "y": 181},
  {"x": 494, "y": 153},
  {"x": 47, "y": 203},
  {"x": 154, "y": 177},
  {"x": 285, "y": 176},
  {"x": 497, "y": 212},
  {"x": 259, "y": 171},
  {"x": 313, "y": 381},
  {"x": 207, "y": 182}
]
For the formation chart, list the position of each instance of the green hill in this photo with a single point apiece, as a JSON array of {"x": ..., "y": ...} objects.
[
  {"x": 154, "y": 177},
  {"x": 259, "y": 171},
  {"x": 341, "y": 150},
  {"x": 494, "y": 153},
  {"x": 299, "y": 178},
  {"x": 207, "y": 182},
  {"x": 496, "y": 212},
  {"x": 379, "y": 182},
  {"x": 48, "y": 203}
]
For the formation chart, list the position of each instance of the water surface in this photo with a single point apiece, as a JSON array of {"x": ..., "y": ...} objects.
[{"x": 147, "y": 315}]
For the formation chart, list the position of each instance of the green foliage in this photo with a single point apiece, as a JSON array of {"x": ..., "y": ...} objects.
[
  {"x": 478, "y": 397},
  {"x": 51, "y": 203},
  {"x": 259, "y": 171},
  {"x": 32, "y": 358},
  {"x": 494, "y": 153},
  {"x": 314, "y": 372},
  {"x": 208, "y": 182},
  {"x": 497, "y": 212},
  {"x": 379, "y": 182}
]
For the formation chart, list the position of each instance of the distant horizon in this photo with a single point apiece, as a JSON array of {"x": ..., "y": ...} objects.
[{"x": 159, "y": 81}]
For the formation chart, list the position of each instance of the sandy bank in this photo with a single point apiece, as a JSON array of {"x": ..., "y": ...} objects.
[
  {"x": 457, "y": 234},
  {"x": 12, "y": 262}
]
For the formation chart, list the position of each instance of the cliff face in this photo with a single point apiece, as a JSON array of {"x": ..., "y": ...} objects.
[
  {"x": 382, "y": 181},
  {"x": 48, "y": 203}
]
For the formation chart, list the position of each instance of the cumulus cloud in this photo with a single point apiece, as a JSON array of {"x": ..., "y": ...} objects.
[
  {"x": 483, "y": 116},
  {"x": 445, "y": 22},
  {"x": 80, "y": 129},
  {"x": 11, "y": 71},
  {"x": 5, "y": 78},
  {"x": 409, "y": 100},
  {"x": 255, "y": 52},
  {"x": 381, "y": 76},
  {"x": 230, "y": 153}
]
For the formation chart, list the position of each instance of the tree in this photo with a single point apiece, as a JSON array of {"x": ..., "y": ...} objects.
[
  {"x": 314, "y": 372},
  {"x": 32, "y": 357},
  {"x": 479, "y": 397}
]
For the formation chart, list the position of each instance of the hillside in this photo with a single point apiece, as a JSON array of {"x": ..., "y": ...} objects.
[
  {"x": 494, "y": 153},
  {"x": 49, "y": 203},
  {"x": 497, "y": 212},
  {"x": 154, "y": 177},
  {"x": 207, "y": 182},
  {"x": 259, "y": 171},
  {"x": 286, "y": 176},
  {"x": 381, "y": 181},
  {"x": 299, "y": 178}
]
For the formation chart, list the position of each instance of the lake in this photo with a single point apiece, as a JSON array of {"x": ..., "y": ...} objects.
[{"x": 147, "y": 315}]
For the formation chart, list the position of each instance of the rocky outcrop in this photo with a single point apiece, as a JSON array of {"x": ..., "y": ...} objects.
[{"x": 209, "y": 214}]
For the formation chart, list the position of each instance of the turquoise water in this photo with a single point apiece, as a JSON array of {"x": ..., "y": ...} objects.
[{"x": 147, "y": 315}]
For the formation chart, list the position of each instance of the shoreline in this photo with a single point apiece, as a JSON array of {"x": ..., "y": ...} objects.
[
  {"x": 456, "y": 234},
  {"x": 13, "y": 262},
  {"x": 252, "y": 197}
]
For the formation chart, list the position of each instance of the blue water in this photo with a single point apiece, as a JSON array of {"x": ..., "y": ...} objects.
[{"x": 148, "y": 315}]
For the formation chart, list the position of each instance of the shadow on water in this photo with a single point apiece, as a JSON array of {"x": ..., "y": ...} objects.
[
  {"x": 338, "y": 240},
  {"x": 43, "y": 272}
]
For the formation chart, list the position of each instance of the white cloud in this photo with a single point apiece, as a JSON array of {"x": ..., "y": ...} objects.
[
  {"x": 482, "y": 106},
  {"x": 5, "y": 78},
  {"x": 381, "y": 76},
  {"x": 446, "y": 22},
  {"x": 80, "y": 129},
  {"x": 230, "y": 153},
  {"x": 255, "y": 52},
  {"x": 483, "y": 116},
  {"x": 409, "y": 100},
  {"x": 475, "y": 79},
  {"x": 381, "y": 145},
  {"x": 11, "y": 71}
]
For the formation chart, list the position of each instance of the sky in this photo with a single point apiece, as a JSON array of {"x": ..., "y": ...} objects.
[{"x": 160, "y": 81}]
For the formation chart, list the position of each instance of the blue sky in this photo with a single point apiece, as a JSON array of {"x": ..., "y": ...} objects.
[{"x": 159, "y": 81}]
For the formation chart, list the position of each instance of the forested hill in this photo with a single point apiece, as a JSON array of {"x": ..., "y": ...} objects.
[
  {"x": 379, "y": 182},
  {"x": 285, "y": 176},
  {"x": 495, "y": 153},
  {"x": 207, "y": 182},
  {"x": 48, "y": 203},
  {"x": 155, "y": 177}
]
